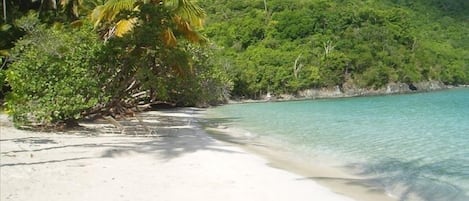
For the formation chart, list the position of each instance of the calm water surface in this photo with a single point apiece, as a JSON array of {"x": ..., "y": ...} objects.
[{"x": 414, "y": 146}]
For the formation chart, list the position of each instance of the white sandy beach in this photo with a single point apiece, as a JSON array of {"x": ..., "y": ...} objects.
[{"x": 100, "y": 163}]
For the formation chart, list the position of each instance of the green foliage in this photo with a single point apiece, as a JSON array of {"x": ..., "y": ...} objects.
[
  {"x": 2, "y": 80},
  {"x": 368, "y": 44},
  {"x": 52, "y": 75},
  {"x": 60, "y": 73},
  {"x": 141, "y": 61},
  {"x": 206, "y": 85},
  {"x": 295, "y": 24}
]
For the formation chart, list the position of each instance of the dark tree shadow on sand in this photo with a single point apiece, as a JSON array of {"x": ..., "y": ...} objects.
[{"x": 165, "y": 135}]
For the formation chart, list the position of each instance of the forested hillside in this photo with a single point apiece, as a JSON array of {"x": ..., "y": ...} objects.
[{"x": 283, "y": 46}]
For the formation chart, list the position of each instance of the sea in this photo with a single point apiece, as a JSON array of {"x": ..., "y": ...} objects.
[{"x": 413, "y": 146}]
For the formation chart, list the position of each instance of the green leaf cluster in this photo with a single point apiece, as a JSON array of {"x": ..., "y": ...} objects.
[{"x": 52, "y": 76}]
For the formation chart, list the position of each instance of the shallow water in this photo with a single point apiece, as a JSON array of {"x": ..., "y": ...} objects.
[{"x": 414, "y": 146}]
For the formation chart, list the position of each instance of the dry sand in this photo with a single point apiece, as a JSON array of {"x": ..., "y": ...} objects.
[{"x": 99, "y": 162}]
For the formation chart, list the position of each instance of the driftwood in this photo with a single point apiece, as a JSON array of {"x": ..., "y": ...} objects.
[
  {"x": 122, "y": 129},
  {"x": 113, "y": 121}
]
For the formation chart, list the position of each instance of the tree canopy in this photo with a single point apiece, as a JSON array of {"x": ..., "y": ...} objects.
[
  {"x": 107, "y": 58},
  {"x": 284, "y": 46}
]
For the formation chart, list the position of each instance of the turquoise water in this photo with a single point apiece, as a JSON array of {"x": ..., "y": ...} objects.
[{"x": 414, "y": 146}]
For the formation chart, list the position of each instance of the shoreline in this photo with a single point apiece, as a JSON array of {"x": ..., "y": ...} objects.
[
  {"x": 337, "y": 93},
  {"x": 99, "y": 162},
  {"x": 398, "y": 178},
  {"x": 327, "y": 173},
  {"x": 34, "y": 163}
]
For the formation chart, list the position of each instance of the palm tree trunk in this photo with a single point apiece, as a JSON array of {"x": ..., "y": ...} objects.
[{"x": 5, "y": 11}]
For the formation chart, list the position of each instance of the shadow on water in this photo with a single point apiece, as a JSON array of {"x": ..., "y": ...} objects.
[{"x": 445, "y": 180}]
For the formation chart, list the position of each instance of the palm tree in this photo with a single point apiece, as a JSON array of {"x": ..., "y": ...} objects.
[
  {"x": 185, "y": 14},
  {"x": 146, "y": 58}
]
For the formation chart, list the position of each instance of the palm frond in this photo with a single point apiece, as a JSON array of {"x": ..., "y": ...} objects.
[
  {"x": 87, "y": 6},
  {"x": 185, "y": 28},
  {"x": 169, "y": 38},
  {"x": 124, "y": 26},
  {"x": 96, "y": 15},
  {"x": 111, "y": 9},
  {"x": 190, "y": 12},
  {"x": 114, "y": 7}
]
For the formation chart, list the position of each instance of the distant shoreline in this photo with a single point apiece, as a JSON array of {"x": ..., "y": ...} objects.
[{"x": 337, "y": 92}]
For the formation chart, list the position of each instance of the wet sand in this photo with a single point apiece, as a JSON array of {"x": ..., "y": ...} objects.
[{"x": 326, "y": 172}]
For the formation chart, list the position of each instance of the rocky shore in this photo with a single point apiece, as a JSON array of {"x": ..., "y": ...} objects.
[
  {"x": 350, "y": 90},
  {"x": 391, "y": 88}
]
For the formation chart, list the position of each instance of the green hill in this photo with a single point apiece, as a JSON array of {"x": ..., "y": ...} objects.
[{"x": 283, "y": 46}]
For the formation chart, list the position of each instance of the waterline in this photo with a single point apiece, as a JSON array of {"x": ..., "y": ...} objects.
[{"x": 413, "y": 146}]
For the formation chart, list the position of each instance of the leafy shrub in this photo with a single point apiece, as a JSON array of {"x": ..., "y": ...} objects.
[
  {"x": 51, "y": 76},
  {"x": 2, "y": 90},
  {"x": 209, "y": 85}
]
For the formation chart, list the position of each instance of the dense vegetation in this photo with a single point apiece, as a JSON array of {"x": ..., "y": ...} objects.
[
  {"x": 283, "y": 46},
  {"x": 75, "y": 59},
  {"x": 63, "y": 60}
]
